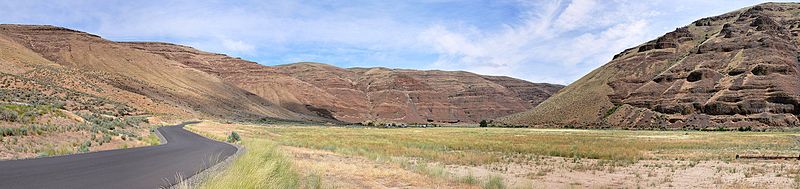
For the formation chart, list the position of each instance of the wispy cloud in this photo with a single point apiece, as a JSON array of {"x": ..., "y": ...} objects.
[{"x": 560, "y": 41}]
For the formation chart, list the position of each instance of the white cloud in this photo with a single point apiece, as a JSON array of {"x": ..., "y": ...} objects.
[
  {"x": 575, "y": 14},
  {"x": 237, "y": 46}
]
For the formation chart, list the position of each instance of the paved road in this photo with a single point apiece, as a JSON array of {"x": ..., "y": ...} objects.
[{"x": 185, "y": 153}]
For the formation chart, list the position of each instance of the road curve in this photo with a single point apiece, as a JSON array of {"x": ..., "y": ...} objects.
[{"x": 185, "y": 153}]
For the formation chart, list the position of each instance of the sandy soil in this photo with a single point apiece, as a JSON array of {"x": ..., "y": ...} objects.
[
  {"x": 339, "y": 171},
  {"x": 553, "y": 172}
]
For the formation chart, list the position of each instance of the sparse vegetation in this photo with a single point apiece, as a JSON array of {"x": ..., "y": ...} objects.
[
  {"x": 8, "y": 115},
  {"x": 27, "y": 126},
  {"x": 313, "y": 181},
  {"x": 58, "y": 97},
  {"x": 152, "y": 139},
  {"x": 85, "y": 146},
  {"x": 495, "y": 182},
  {"x": 611, "y": 111},
  {"x": 470, "y": 179}
]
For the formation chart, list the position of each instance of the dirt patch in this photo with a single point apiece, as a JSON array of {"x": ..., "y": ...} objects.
[
  {"x": 553, "y": 172},
  {"x": 339, "y": 171}
]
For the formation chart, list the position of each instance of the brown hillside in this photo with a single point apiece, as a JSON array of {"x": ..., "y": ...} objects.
[
  {"x": 161, "y": 78},
  {"x": 368, "y": 94},
  {"x": 734, "y": 70},
  {"x": 147, "y": 82}
]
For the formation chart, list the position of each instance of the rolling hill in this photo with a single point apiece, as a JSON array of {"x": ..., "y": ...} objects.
[
  {"x": 54, "y": 65},
  {"x": 367, "y": 94}
]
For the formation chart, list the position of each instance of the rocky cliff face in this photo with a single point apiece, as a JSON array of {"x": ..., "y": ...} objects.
[
  {"x": 733, "y": 70},
  {"x": 368, "y": 94}
]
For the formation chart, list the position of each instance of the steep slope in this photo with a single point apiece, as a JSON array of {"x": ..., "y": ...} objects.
[
  {"x": 367, "y": 94},
  {"x": 734, "y": 70},
  {"x": 150, "y": 83}
]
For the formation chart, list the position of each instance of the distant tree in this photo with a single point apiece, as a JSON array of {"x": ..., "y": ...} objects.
[{"x": 484, "y": 123}]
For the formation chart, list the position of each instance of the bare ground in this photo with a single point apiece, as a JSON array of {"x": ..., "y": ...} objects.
[
  {"x": 340, "y": 171},
  {"x": 343, "y": 171},
  {"x": 554, "y": 172}
]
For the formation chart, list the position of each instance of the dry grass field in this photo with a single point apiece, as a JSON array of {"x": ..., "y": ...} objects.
[{"x": 525, "y": 158}]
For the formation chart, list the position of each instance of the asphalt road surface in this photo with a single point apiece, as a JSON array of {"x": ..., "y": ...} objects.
[{"x": 184, "y": 154}]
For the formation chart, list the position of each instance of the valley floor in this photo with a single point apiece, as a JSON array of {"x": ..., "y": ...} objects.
[{"x": 357, "y": 157}]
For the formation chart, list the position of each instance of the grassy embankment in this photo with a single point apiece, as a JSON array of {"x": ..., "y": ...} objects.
[{"x": 262, "y": 166}]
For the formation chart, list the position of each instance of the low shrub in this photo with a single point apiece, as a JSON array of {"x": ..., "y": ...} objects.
[
  {"x": 234, "y": 137},
  {"x": 8, "y": 115},
  {"x": 85, "y": 146}
]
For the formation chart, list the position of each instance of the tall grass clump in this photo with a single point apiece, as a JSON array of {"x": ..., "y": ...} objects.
[
  {"x": 469, "y": 179},
  {"x": 152, "y": 139},
  {"x": 262, "y": 166},
  {"x": 495, "y": 182}
]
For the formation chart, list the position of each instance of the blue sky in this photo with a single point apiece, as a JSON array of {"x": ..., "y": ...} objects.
[{"x": 555, "y": 41}]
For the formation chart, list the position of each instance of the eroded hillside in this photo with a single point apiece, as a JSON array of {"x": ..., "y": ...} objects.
[
  {"x": 368, "y": 94},
  {"x": 173, "y": 80},
  {"x": 738, "y": 69},
  {"x": 147, "y": 82}
]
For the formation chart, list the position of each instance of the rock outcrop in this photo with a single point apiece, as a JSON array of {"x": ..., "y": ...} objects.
[{"x": 734, "y": 70}]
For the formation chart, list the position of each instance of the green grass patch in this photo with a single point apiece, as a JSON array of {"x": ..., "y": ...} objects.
[
  {"x": 152, "y": 139},
  {"x": 263, "y": 166}
]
